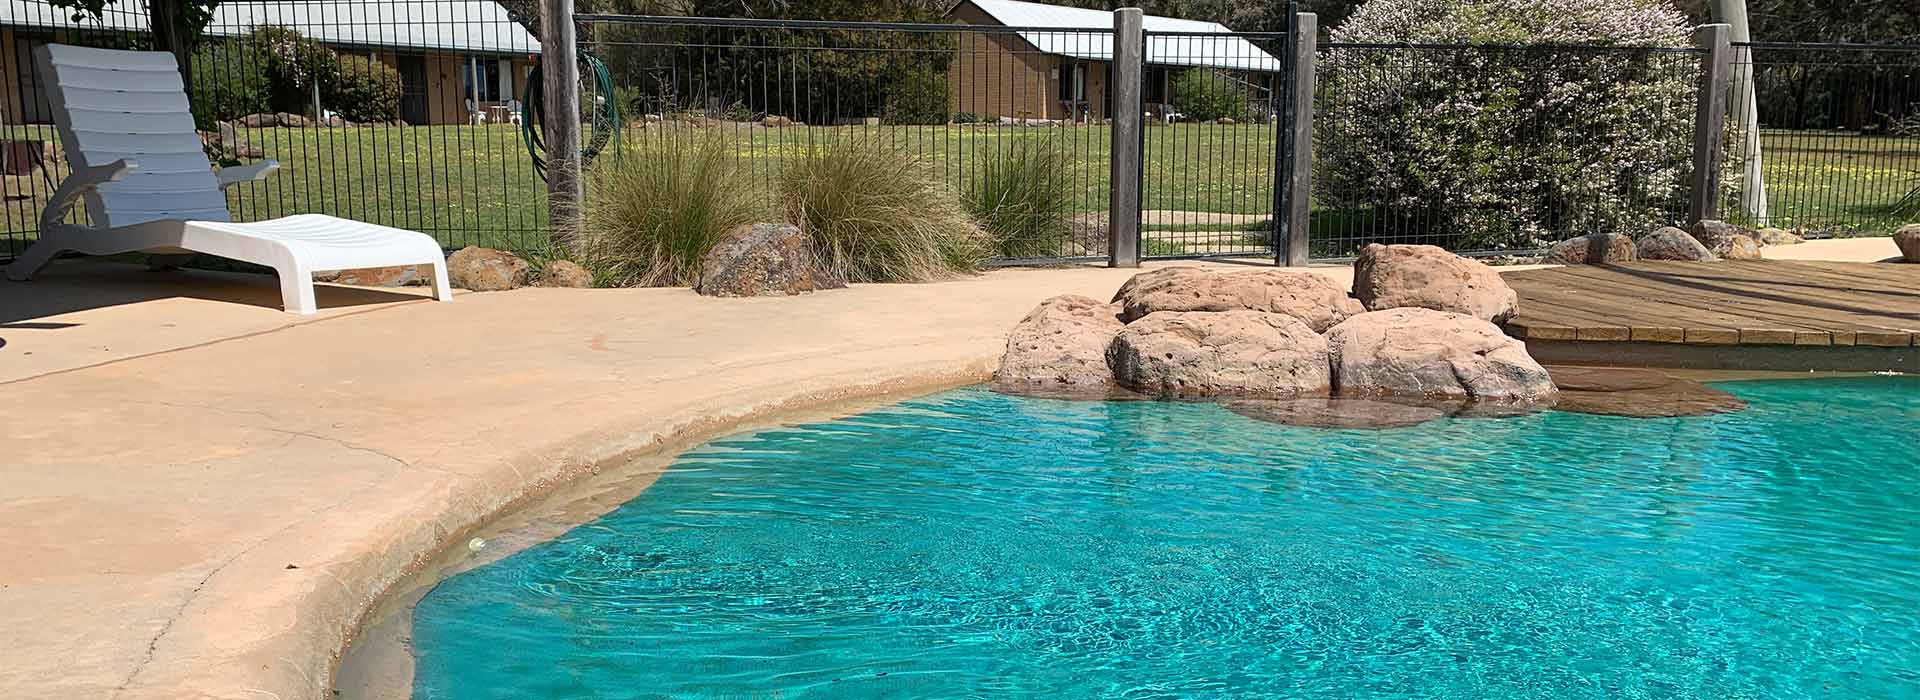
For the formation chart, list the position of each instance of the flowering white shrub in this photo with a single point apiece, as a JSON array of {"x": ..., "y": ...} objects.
[{"x": 1536, "y": 133}]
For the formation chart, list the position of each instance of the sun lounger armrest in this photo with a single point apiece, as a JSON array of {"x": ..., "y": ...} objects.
[
  {"x": 236, "y": 174},
  {"x": 79, "y": 182}
]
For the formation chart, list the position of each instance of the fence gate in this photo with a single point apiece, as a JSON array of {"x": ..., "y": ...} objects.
[{"x": 1213, "y": 142}]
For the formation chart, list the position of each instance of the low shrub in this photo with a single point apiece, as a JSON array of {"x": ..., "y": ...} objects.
[
  {"x": 364, "y": 90},
  {"x": 876, "y": 215},
  {"x": 1205, "y": 94},
  {"x": 650, "y": 219},
  {"x": 918, "y": 96},
  {"x": 968, "y": 118},
  {"x": 229, "y": 81},
  {"x": 1024, "y": 199},
  {"x": 1498, "y": 148}
]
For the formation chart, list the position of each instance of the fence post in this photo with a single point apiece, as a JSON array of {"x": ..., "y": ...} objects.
[
  {"x": 560, "y": 88},
  {"x": 1123, "y": 199},
  {"x": 1710, "y": 120},
  {"x": 1290, "y": 239}
]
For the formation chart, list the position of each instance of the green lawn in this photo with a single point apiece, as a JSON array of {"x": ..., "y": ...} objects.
[
  {"x": 1840, "y": 182},
  {"x": 474, "y": 185}
]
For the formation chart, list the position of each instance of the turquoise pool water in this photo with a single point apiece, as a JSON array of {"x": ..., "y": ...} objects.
[{"x": 974, "y": 545}]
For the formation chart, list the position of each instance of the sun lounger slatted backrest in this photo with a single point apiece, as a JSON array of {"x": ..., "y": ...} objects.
[{"x": 111, "y": 105}]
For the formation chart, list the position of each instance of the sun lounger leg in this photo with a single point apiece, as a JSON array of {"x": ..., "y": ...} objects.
[
  {"x": 296, "y": 289},
  {"x": 30, "y": 261},
  {"x": 441, "y": 289}
]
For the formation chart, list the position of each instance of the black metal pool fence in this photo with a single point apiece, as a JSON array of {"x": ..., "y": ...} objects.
[{"x": 1155, "y": 141}]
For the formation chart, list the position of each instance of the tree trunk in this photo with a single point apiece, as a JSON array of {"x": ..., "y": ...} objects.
[{"x": 164, "y": 17}]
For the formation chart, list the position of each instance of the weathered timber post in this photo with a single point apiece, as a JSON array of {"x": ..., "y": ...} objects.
[
  {"x": 1290, "y": 239},
  {"x": 1123, "y": 202},
  {"x": 1710, "y": 120},
  {"x": 560, "y": 88}
]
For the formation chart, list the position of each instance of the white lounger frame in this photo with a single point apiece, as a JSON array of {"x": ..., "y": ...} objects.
[{"x": 117, "y": 110}]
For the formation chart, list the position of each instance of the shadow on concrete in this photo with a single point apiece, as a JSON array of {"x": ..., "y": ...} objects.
[{"x": 69, "y": 286}]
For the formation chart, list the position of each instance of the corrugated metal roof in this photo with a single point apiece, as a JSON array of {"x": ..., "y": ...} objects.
[
  {"x": 477, "y": 26},
  {"x": 1227, "y": 51}
]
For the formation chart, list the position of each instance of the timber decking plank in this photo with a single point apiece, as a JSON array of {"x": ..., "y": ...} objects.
[
  {"x": 1716, "y": 320},
  {"x": 1752, "y": 302}
]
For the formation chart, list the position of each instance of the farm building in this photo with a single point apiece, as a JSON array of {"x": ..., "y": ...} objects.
[
  {"x": 1061, "y": 69},
  {"x": 455, "y": 58}
]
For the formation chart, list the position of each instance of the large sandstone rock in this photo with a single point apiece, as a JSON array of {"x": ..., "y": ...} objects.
[
  {"x": 762, "y": 260},
  {"x": 1311, "y": 298},
  {"x": 1436, "y": 354},
  {"x": 1224, "y": 353},
  {"x": 1061, "y": 343},
  {"x": 566, "y": 273},
  {"x": 1597, "y": 249},
  {"x": 1429, "y": 277},
  {"x": 486, "y": 270},
  {"x": 1908, "y": 239},
  {"x": 1672, "y": 244}
]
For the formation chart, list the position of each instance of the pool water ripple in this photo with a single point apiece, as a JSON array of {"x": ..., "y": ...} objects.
[{"x": 973, "y": 545}]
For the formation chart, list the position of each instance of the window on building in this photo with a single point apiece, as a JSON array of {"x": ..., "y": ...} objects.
[{"x": 487, "y": 73}]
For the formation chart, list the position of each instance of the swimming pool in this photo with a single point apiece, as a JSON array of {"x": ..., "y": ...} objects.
[{"x": 971, "y": 544}]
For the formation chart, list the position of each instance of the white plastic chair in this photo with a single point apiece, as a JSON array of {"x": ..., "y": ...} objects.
[{"x": 137, "y": 162}]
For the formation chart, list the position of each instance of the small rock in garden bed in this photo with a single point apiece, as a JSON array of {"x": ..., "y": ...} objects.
[
  {"x": 1597, "y": 249},
  {"x": 1736, "y": 248},
  {"x": 1672, "y": 244},
  {"x": 1061, "y": 344},
  {"x": 1777, "y": 236},
  {"x": 486, "y": 270},
  {"x": 1227, "y": 353},
  {"x": 1310, "y": 298},
  {"x": 1429, "y": 277},
  {"x": 762, "y": 260},
  {"x": 1907, "y": 239},
  {"x": 1637, "y": 393},
  {"x": 566, "y": 273}
]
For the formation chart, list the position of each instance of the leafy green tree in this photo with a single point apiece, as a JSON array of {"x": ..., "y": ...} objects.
[{"x": 176, "y": 24}]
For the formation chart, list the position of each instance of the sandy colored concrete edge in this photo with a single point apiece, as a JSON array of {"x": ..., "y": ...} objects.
[{"x": 328, "y": 620}]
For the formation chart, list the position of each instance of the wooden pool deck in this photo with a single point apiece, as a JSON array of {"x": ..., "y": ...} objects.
[{"x": 1761, "y": 314}]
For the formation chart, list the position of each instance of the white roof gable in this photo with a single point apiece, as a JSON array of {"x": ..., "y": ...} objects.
[
  {"x": 447, "y": 25},
  {"x": 1227, "y": 51}
]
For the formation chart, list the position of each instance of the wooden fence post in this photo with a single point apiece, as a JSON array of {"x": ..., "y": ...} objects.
[
  {"x": 1290, "y": 240},
  {"x": 1710, "y": 120},
  {"x": 560, "y": 88},
  {"x": 1123, "y": 199}
]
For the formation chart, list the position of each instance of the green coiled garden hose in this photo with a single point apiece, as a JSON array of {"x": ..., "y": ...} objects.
[{"x": 606, "y": 116}]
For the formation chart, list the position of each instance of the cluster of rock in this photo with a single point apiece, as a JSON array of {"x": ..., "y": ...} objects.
[
  {"x": 1709, "y": 241},
  {"x": 268, "y": 120},
  {"x": 1421, "y": 327}
]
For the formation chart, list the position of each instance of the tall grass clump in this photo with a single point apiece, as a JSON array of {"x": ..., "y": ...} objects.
[
  {"x": 652, "y": 215},
  {"x": 1024, "y": 199},
  {"x": 875, "y": 214}
]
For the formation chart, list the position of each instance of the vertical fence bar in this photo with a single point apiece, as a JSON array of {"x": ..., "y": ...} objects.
[
  {"x": 1292, "y": 249},
  {"x": 1123, "y": 203},
  {"x": 560, "y": 75},
  {"x": 1710, "y": 119}
]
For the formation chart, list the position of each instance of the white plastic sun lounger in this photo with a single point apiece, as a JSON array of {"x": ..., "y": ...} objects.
[{"x": 137, "y": 162}]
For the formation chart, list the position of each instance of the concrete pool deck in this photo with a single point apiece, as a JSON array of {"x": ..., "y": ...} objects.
[{"x": 202, "y": 495}]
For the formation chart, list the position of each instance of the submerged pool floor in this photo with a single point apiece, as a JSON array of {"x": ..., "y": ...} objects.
[{"x": 975, "y": 545}]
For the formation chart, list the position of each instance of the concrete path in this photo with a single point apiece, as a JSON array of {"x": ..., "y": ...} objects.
[{"x": 201, "y": 495}]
